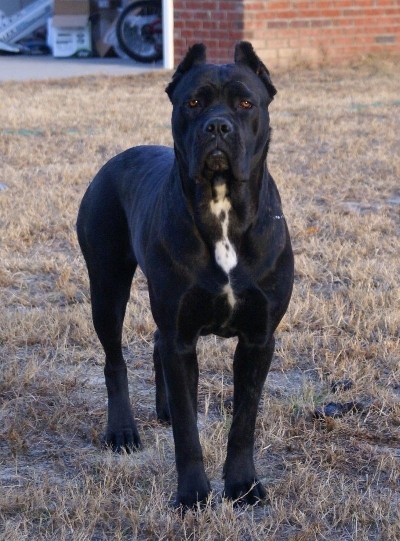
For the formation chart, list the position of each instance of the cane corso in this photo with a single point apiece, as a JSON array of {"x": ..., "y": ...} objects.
[{"x": 204, "y": 222}]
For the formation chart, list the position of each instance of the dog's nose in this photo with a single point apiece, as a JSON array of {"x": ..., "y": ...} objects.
[{"x": 218, "y": 126}]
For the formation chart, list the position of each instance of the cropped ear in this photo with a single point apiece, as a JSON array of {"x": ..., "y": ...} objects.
[
  {"x": 196, "y": 55},
  {"x": 245, "y": 54}
]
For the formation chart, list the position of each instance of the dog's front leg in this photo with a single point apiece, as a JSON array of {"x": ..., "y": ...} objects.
[
  {"x": 251, "y": 365},
  {"x": 181, "y": 378}
]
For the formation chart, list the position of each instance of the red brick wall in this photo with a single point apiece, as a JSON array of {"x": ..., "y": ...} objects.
[
  {"x": 218, "y": 24},
  {"x": 285, "y": 32},
  {"x": 290, "y": 32}
]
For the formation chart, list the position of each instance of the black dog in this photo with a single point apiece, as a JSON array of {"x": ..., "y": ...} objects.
[{"x": 205, "y": 224}]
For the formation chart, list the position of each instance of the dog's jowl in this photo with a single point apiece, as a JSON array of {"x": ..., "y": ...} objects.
[{"x": 204, "y": 222}]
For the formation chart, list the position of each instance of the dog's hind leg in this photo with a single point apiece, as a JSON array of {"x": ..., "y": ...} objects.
[
  {"x": 110, "y": 293},
  {"x": 104, "y": 242}
]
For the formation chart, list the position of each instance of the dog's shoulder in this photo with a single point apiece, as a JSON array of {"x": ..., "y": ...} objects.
[
  {"x": 140, "y": 157},
  {"x": 136, "y": 167}
]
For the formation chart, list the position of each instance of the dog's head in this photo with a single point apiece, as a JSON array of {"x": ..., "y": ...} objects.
[{"x": 220, "y": 119}]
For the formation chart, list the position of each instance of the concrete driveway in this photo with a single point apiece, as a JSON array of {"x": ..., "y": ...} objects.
[{"x": 25, "y": 67}]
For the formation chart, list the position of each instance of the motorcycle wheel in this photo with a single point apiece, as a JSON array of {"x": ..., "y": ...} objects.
[{"x": 134, "y": 33}]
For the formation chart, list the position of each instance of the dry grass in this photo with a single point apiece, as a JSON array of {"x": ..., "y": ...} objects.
[{"x": 336, "y": 158}]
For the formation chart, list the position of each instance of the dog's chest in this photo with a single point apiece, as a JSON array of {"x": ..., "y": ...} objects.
[{"x": 224, "y": 251}]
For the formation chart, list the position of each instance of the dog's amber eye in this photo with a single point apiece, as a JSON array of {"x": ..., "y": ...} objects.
[
  {"x": 245, "y": 104},
  {"x": 193, "y": 103}
]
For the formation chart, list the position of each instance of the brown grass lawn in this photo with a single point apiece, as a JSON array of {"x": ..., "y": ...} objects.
[{"x": 336, "y": 158}]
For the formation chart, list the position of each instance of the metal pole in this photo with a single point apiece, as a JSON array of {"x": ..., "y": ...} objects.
[{"x": 168, "y": 33}]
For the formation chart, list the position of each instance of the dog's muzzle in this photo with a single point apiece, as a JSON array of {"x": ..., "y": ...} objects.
[
  {"x": 218, "y": 131},
  {"x": 217, "y": 160}
]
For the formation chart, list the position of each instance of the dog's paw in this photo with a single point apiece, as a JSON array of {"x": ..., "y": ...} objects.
[
  {"x": 184, "y": 502},
  {"x": 193, "y": 494},
  {"x": 249, "y": 493},
  {"x": 124, "y": 440}
]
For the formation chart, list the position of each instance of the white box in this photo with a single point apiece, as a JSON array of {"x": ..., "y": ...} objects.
[{"x": 66, "y": 42}]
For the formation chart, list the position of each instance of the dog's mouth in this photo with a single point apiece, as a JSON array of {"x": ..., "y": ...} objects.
[{"x": 217, "y": 161}]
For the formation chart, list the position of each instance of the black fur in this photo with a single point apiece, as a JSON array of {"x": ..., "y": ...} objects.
[{"x": 153, "y": 206}]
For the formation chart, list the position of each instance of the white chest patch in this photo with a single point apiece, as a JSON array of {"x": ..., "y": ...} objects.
[{"x": 225, "y": 254}]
